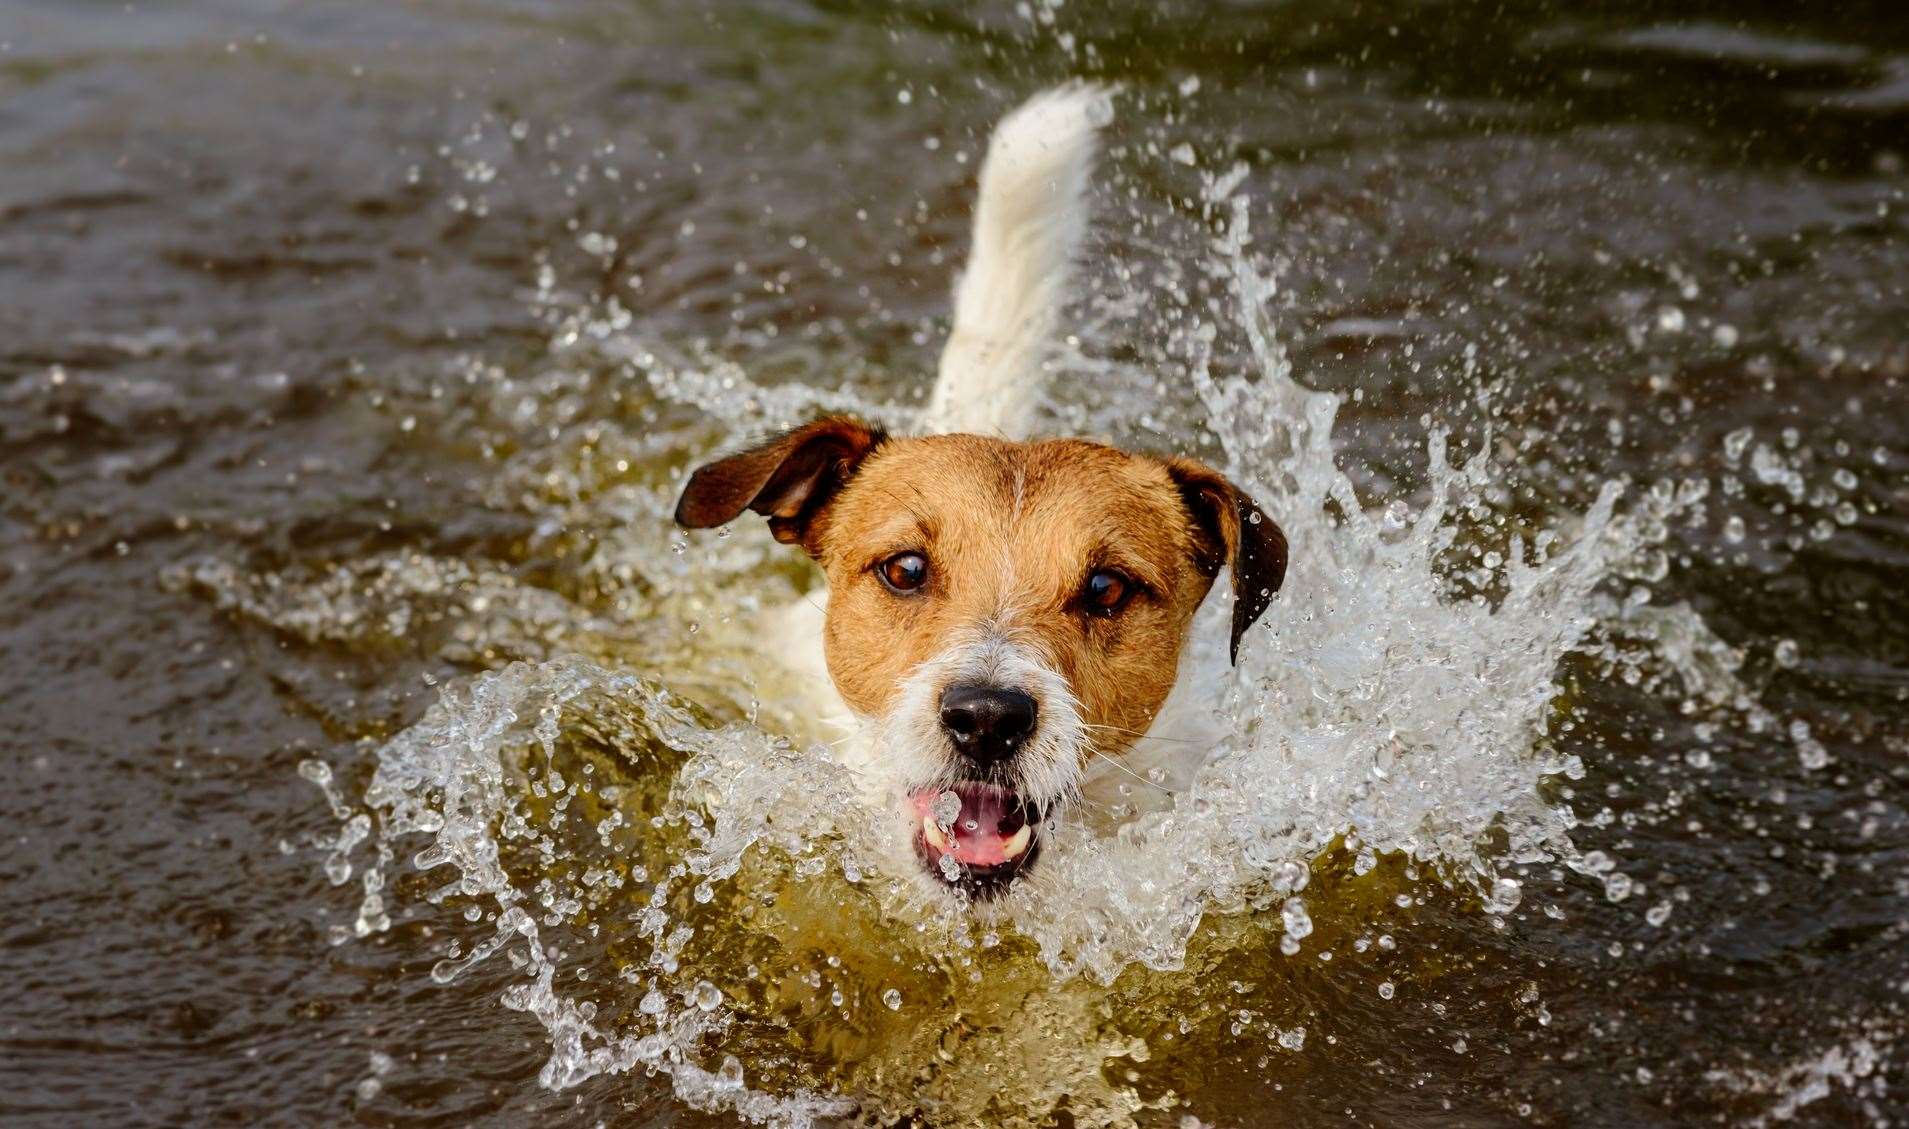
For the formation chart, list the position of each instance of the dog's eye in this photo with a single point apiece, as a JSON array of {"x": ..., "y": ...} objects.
[
  {"x": 904, "y": 572},
  {"x": 1105, "y": 592}
]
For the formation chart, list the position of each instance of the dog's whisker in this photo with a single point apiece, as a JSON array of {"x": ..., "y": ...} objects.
[
  {"x": 1138, "y": 736},
  {"x": 1130, "y": 772},
  {"x": 1074, "y": 799}
]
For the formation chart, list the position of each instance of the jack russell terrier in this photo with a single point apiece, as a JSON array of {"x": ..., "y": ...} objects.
[{"x": 1003, "y": 613}]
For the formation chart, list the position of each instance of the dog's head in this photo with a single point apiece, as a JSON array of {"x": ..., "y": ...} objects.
[{"x": 1000, "y": 612}]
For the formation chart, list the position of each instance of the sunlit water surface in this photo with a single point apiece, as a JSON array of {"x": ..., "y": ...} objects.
[{"x": 1567, "y": 774}]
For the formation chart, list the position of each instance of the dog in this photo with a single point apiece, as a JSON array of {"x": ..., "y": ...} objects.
[{"x": 1004, "y": 614}]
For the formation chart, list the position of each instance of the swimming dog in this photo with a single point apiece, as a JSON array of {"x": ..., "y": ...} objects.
[{"x": 1004, "y": 613}]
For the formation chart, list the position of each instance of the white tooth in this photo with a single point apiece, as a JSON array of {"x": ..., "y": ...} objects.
[
  {"x": 932, "y": 832},
  {"x": 1013, "y": 847}
]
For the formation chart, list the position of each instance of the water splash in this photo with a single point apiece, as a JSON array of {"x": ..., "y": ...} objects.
[{"x": 669, "y": 886}]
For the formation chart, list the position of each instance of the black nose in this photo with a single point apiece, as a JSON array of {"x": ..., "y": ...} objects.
[{"x": 985, "y": 722}]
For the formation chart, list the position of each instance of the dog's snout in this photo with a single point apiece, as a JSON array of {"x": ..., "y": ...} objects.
[{"x": 986, "y": 722}]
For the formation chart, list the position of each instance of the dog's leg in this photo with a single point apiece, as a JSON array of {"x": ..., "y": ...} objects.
[{"x": 1028, "y": 221}]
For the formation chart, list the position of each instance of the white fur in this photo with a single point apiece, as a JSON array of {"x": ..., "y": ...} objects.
[
  {"x": 1028, "y": 222},
  {"x": 909, "y": 748}
]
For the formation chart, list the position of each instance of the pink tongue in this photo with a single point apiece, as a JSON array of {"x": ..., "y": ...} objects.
[{"x": 976, "y": 838}]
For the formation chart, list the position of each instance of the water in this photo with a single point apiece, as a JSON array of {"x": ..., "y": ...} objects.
[{"x": 383, "y": 753}]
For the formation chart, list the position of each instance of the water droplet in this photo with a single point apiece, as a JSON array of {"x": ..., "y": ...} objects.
[
  {"x": 892, "y": 998},
  {"x": 1297, "y": 921},
  {"x": 1786, "y": 653},
  {"x": 1386, "y": 990},
  {"x": 706, "y": 996},
  {"x": 1383, "y": 758},
  {"x": 1291, "y": 876}
]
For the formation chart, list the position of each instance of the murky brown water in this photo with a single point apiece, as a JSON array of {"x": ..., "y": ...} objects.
[{"x": 300, "y": 419}]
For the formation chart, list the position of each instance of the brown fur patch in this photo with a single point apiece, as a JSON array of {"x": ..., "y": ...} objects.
[
  {"x": 1235, "y": 532},
  {"x": 1011, "y": 532},
  {"x": 786, "y": 479}
]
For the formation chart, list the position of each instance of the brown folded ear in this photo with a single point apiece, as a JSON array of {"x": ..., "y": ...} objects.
[
  {"x": 787, "y": 479},
  {"x": 1233, "y": 531}
]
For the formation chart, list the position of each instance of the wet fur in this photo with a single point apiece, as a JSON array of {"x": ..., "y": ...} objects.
[{"x": 1011, "y": 530}]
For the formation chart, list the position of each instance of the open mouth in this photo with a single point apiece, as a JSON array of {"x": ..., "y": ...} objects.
[{"x": 975, "y": 837}]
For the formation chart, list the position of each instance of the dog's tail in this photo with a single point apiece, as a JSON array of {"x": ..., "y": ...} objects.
[{"x": 1028, "y": 220}]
